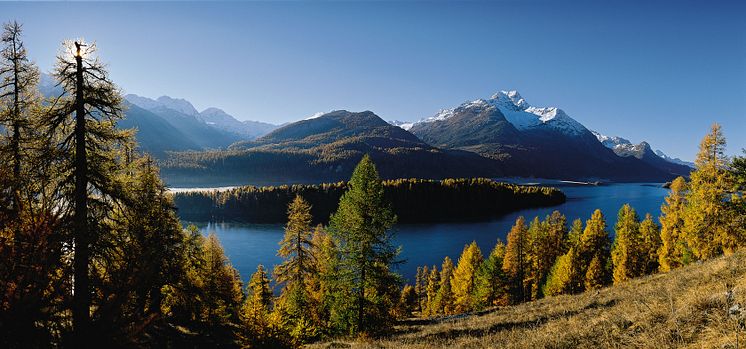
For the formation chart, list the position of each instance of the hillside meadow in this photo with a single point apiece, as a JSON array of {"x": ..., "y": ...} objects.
[{"x": 685, "y": 308}]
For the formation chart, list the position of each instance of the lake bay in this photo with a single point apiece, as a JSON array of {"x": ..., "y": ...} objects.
[{"x": 248, "y": 245}]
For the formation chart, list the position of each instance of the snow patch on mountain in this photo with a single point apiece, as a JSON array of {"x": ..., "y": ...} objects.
[
  {"x": 611, "y": 141},
  {"x": 403, "y": 124},
  {"x": 674, "y": 160},
  {"x": 519, "y": 113}
]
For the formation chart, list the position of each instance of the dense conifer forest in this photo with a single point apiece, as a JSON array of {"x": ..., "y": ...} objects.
[{"x": 412, "y": 200}]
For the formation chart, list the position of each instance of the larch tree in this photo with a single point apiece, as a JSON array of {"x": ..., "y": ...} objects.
[
  {"x": 464, "y": 278},
  {"x": 323, "y": 286},
  {"x": 737, "y": 202},
  {"x": 674, "y": 250},
  {"x": 222, "y": 284},
  {"x": 407, "y": 301},
  {"x": 491, "y": 284},
  {"x": 420, "y": 288},
  {"x": 650, "y": 244},
  {"x": 627, "y": 252},
  {"x": 595, "y": 249},
  {"x": 361, "y": 228},
  {"x": 299, "y": 265},
  {"x": 19, "y": 78},
  {"x": 706, "y": 215},
  {"x": 595, "y": 276},
  {"x": 256, "y": 308},
  {"x": 31, "y": 249},
  {"x": 515, "y": 263},
  {"x": 82, "y": 121},
  {"x": 433, "y": 285},
  {"x": 444, "y": 300},
  {"x": 568, "y": 272}
]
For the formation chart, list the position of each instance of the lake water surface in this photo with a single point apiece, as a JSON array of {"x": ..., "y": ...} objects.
[{"x": 248, "y": 245}]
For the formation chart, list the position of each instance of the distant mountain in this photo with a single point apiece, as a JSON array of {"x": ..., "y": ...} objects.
[
  {"x": 624, "y": 148},
  {"x": 674, "y": 160},
  {"x": 154, "y": 134},
  {"x": 218, "y": 118},
  {"x": 531, "y": 141},
  {"x": 212, "y": 117},
  {"x": 321, "y": 149}
]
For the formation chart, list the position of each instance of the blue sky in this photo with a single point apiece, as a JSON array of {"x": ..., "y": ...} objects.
[{"x": 650, "y": 70}]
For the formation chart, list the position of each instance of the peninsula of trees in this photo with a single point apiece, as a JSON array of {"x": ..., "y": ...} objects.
[{"x": 412, "y": 200}]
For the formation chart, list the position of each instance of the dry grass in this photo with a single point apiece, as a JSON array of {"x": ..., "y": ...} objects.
[{"x": 684, "y": 308}]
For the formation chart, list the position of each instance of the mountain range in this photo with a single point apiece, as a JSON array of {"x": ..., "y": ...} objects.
[
  {"x": 169, "y": 124},
  {"x": 499, "y": 136},
  {"x": 540, "y": 142}
]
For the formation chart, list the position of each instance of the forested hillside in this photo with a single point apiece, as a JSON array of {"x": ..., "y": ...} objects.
[
  {"x": 413, "y": 201},
  {"x": 324, "y": 149}
]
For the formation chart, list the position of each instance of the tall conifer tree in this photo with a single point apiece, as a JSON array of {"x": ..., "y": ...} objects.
[{"x": 361, "y": 227}]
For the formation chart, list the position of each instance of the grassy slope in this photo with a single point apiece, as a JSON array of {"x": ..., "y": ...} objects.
[{"x": 684, "y": 308}]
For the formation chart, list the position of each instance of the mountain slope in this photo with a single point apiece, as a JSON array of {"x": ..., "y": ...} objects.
[
  {"x": 214, "y": 118},
  {"x": 531, "y": 141},
  {"x": 154, "y": 134},
  {"x": 686, "y": 308},
  {"x": 644, "y": 152},
  {"x": 325, "y": 148},
  {"x": 220, "y": 119}
]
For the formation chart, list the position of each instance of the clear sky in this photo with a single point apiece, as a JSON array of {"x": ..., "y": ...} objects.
[{"x": 649, "y": 70}]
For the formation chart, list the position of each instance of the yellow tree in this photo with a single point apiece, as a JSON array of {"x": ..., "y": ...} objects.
[
  {"x": 674, "y": 251},
  {"x": 650, "y": 243},
  {"x": 295, "y": 271},
  {"x": 433, "y": 285},
  {"x": 515, "y": 262},
  {"x": 444, "y": 300},
  {"x": 568, "y": 273},
  {"x": 464, "y": 277},
  {"x": 626, "y": 254},
  {"x": 595, "y": 248},
  {"x": 706, "y": 214}
]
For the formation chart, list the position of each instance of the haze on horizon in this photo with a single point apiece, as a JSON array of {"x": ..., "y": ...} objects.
[{"x": 655, "y": 71}]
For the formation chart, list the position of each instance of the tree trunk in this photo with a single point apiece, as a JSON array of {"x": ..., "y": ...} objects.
[{"x": 81, "y": 296}]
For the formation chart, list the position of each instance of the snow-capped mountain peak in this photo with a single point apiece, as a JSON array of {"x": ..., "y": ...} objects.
[
  {"x": 518, "y": 112},
  {"x": 511, "y": 99}
]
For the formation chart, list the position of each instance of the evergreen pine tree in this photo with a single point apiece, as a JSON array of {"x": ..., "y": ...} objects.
[
  {"x": 491, "y": 284},
  {"x": 361, "y": 230}
]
